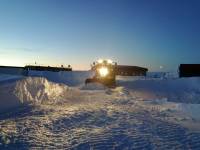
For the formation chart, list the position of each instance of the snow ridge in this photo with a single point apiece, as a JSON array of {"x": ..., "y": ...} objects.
[{"x": 38, "y": 90}]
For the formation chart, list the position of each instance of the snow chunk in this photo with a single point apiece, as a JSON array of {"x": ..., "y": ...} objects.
[
  {"x": 38, "y": 90},
  {"x": 30, "y": 90}
]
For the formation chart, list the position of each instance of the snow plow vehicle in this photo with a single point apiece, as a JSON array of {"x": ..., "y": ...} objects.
[
  {"x": 105, "y": 73},
  {"x": 107, "y": 70}
]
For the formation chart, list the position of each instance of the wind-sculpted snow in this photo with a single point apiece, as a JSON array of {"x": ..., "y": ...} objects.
[
  {"x": 62, "y": 117},
  {"x": 39, "y": 90},
  {"x": 30, "y": 90}
]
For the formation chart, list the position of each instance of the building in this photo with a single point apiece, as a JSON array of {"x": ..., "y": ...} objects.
[
  {"x": 25, "y": 70},
  {"x": 189, "y": 70},
  {"x": 47, "y": 68},
  {"x": 12, "y": 70},
  {"x": 124, "y": 70}
]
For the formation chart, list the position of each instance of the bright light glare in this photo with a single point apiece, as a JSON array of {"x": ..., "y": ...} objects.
[
  {"x": 110, "y": 61},
  {"x": 100, "y": 61},
  {"x": 103, "y": 71},
  {"x": 10, "y": 61}
]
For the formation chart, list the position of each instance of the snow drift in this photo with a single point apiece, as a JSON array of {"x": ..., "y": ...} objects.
[
  {"x": 185, "y": 90},
  {"x": 30, "y": 90},
  {"x": 38, "y": 90},
  {"x": 162, "y": 75}
]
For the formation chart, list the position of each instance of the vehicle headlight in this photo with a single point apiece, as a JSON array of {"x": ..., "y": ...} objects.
[
  {"x": 103, "y": 71},
  {"x": 100, "y": 61},
  {"x": 109, "y": 61}
]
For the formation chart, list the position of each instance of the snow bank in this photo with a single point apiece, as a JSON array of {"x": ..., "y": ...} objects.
[
  {"x": 38, "y": 90},
  {"x": 186, "y": 90},
  {"x": 193, "y": 110},
  {"x": 150, "y": 76},
  {"x": 31, "y": 90},
  {"x": 162, "y": 75},
  {"x": 71, "y": 78}
]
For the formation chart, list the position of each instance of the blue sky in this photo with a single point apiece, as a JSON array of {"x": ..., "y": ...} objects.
[{"x": 149, "y": 33}]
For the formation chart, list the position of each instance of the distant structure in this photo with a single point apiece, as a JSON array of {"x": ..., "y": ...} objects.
[
  {"x": 24, "y": 70},
  {"x": 189, "y": 70},
  {"x": 12, "y": 70},
  {"x": 47, "y": 68},
  {"x": 124, "y": 70}
]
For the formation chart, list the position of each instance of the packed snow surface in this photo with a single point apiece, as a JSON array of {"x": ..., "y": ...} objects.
[
  {"x": 186, "y": 90},
  {"x": 139, "y": 113}
]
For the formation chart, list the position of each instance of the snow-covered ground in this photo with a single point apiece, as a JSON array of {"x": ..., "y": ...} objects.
[
  {"x": 8, "y": 78},
  {"x": 151, "y": 112}
]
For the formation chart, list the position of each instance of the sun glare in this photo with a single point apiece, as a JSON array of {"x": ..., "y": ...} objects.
[
  {"x": 100, "y": 61},
  {"x": 11, "y": 62}
]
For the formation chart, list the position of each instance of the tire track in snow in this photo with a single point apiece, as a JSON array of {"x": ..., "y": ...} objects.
[{"x": 141, "y": 135}]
